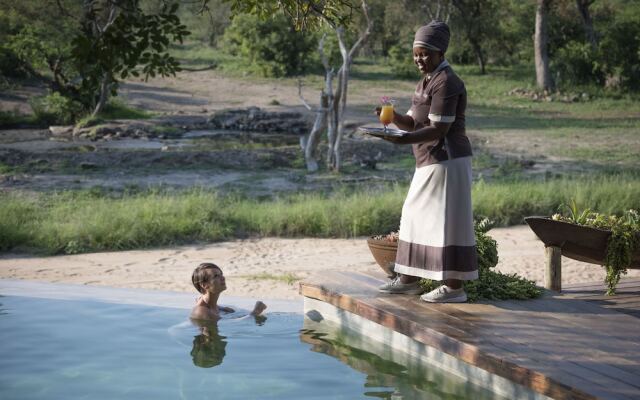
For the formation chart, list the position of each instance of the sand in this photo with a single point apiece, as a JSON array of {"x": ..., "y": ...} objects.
[{"x": 267, "y": 268}]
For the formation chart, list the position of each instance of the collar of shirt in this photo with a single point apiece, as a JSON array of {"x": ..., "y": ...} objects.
[{"x": 439, "y": 68}]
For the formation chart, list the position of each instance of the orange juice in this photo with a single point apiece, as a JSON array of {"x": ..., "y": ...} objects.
[{"x": 386, "y": 114}]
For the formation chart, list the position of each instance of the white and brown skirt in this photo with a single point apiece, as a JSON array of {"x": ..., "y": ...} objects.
[{"x": 437, "y": 239}]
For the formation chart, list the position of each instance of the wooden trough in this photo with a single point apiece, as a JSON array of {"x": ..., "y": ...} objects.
[{"x": 578, "y": 242}]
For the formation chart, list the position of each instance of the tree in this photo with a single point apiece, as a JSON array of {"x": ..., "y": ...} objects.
[
  {"x": 303, "y": 13},
  {"x": 543, "y": 75},
  {"x": 589, "y": 32},
  {"x": 478, "y": 18},
  {"x": 331, "y": 113},
  {"x": 117, "y": 39}
]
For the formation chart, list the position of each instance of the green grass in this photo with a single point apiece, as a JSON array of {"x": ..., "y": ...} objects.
[
  {"x": 115, "y": 109},
  {"x": 287, "y": 278},
  {"x": 75, "y": 222},
  {"x": 196, "y": 55},
  {"x": 11, "y": 119}
]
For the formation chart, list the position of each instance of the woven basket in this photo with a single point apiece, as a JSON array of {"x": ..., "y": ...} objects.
[{"x": 384, "y": 253}]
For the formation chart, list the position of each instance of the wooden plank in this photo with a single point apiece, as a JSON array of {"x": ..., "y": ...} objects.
[
  {"x": 484, "y": 335},
  {"x": 469, "y": 353}
]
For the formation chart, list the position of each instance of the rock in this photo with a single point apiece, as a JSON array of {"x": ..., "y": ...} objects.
[{"x": 61, "y": 130}]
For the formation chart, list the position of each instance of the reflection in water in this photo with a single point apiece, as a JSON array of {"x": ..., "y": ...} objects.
[
  {"x": 209, "y": 346},
  {"x": 408, "y": 380}
]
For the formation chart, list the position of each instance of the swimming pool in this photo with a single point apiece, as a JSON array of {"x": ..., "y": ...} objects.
[{"x": 75, "y": 349}]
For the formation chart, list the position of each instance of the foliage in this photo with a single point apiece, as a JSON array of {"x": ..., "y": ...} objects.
[
  {"x": 271, "y": 47},
  {"x": 206, "y": 25},
  {"x": 99, "y": 220},
  {"x": 55, "y": 109},
  {"x": 131, "y": 43},
  {"x": 13, "y": 119},
  {"x": 114, "y": 109},
  {"x": 623, "y": 242},
  {"x": 491, "y": 285},
  {"x": 90, "y": 47},
  {"x": 302, "y": 14},
  {"x": 509, "y": 202},
  {"x": 615, "y": 59},
  {"x": 401, "y": 62}
]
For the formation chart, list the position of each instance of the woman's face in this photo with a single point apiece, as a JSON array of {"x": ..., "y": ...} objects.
[{"x": 426, "y": 60}]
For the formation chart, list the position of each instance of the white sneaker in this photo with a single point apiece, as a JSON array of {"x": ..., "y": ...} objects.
[
  {"x": 445, "y": 294},
  {"x": 397, "y": 287}
]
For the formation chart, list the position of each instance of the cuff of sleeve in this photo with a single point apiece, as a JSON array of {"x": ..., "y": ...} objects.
[{"x": 442, "y": 118}]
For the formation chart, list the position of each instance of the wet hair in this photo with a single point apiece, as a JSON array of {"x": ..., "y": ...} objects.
[{"x": 203, "y": 274}]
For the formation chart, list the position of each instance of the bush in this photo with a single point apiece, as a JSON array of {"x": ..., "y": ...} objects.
[
  {"x": 10, "y": 64},
  {"x": 576, "y": 64},
  {"x": 491, "y": 285},
  {"x": 620, "y": 47},
  {"x": 271, "y": 48},
  {"x": 401, "y": 62},
  {"x": 56, "y": 109}
]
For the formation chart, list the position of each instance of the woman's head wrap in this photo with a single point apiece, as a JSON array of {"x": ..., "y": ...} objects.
[{"x": 433, "y": 36}]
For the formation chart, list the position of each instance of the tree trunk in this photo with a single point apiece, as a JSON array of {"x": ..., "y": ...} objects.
[
  {"x": 589, "y": 32},
  {"x": 336, "y": 121},
  {"x": 479, "y": 56},
  {"x": 104, "y": 95},
  {"x": 319, "y": 126},
  {"x": 543, "y": 75}
]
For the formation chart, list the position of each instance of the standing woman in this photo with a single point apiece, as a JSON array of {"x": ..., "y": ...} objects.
[{"x": 437, "y": 239}]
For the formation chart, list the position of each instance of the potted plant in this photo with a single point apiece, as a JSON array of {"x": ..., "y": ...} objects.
[
  {"x": 490, "y": 285},
  {"x": 608, "y": 240},
  {"x": 384, "y": 248}
]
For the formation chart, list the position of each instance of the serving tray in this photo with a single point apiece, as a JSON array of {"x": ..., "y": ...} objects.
[{"x": 381, "y": 132}]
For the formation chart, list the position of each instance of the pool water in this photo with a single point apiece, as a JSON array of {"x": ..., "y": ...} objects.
[{"x": 69, "y": 349}]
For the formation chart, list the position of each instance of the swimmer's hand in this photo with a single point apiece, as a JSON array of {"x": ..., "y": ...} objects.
[
  {"x": 226, "y": 309},
  {"x": 258, "y": 308}
]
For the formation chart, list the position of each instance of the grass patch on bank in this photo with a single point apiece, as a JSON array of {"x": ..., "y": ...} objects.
[
  {"x": 87, "y": 221},
  {"x": 287, "y": 278}
]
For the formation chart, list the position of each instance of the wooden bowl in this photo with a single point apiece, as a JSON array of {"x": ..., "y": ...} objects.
[
  {"x": 384, "y": 253},
  {"x": 582, "y": 243}
]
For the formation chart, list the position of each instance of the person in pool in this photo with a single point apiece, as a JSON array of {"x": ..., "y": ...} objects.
[{"x": 208, "y": 279}]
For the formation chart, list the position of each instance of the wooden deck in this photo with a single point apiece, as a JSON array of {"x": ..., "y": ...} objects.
[{"x": 579, "y": 344}]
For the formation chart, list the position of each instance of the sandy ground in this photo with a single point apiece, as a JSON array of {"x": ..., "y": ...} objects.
[{"x": 268, "y": 268}]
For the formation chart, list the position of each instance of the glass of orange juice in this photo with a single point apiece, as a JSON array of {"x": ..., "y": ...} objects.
[{"x": 386, "y": 113}]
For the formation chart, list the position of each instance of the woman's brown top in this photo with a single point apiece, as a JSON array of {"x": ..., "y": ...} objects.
[{"x": 440, "y": 97}]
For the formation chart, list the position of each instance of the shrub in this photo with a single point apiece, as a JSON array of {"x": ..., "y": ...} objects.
[
  {"x": 401, "y": 62},
  {"x": 271, "y": 48},
  {"x": 577, "y": 64},
  {"x": 10, "y": 64},
  {"x": 56, "y": 109},
  {"x": 491, "y": 285}
]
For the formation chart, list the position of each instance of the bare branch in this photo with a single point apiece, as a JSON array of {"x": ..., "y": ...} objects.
[
  {"x": 304, "y": 102},
  {"x": 323, "y": 57},
  {"x": 364, "y": 35}
]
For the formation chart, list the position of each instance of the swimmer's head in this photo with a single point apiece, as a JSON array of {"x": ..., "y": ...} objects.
[{"x": 208, "y": 277}]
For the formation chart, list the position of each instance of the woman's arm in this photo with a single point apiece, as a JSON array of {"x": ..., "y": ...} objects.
[
  {"x": 404, "y": 121},
  {"x": 435, "y": 131}
]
